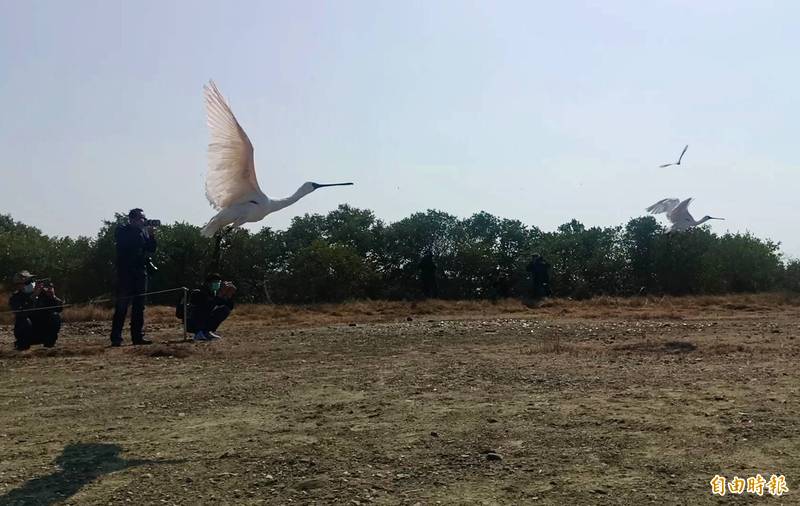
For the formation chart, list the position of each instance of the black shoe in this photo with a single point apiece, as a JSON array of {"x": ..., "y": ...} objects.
[
  {"x": 116, "y": 344},
  {"x": 142, "y": 341}
]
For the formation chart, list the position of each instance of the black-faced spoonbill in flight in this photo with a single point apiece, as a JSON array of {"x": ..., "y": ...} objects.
[
  {"x": 678, "y": 214},
  {"x": 231, "y": 184}
]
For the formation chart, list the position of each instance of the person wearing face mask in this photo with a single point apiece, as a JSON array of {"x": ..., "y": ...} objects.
[
  {"x": 136, "y": 243},
  {"x": 209, "y": 306},
  {"x": 37, "y": 319}
]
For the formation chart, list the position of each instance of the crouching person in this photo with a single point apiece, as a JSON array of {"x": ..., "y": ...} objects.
[
  {"x": 37, "y": 312},
  {"x": 209, "y": 306}
]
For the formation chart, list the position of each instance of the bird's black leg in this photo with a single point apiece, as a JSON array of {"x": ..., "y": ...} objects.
[
  {"x": 217, "y": 254},
  {"x": 219, "y": 239}
]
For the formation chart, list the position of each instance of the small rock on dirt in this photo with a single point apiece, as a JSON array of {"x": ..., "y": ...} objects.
[
  {"x": 310, "y": 484},
  {"x": 494, "y": 456}
]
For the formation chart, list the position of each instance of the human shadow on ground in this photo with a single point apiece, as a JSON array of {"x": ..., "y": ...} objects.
[{"x": 81, "y": 464}]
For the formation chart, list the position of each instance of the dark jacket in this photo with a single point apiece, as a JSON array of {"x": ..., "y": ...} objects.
[
  {"x": 204, "y": 301},
  {"x": 134, "y": 249},
  {"x": 20, "y": 301}
]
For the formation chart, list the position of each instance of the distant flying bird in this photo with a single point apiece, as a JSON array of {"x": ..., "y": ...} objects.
[
  {"x": 231, "y": 184},
  {"x": 679, "y": 159},
  {"x": 678, "y": 214}
]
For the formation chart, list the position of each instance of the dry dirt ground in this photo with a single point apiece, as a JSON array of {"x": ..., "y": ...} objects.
[{"x": 600, "y": 402}]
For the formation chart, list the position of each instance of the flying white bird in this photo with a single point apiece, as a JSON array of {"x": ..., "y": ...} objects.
[
  {"x": 678, "y": 214},
  {"x": 679, "y": 159},
  {"x": 231, "y": 184}
]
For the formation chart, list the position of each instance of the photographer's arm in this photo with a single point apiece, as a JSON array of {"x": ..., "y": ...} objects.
[
  {"x": 150, "y": 241},
  {"x": 225, "y": 297},
  {"x": 49, "y": 299},
  {"x": 17, "y": 302},
  {"x": 125, "y": 238},
  {"x": 223, "y": 301}
]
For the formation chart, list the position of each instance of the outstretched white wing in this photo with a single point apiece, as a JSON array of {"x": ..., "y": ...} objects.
[
  {"x": 231, "y": 168},
  {"x": 663, "y": 206},
  {"x": 680, "y": 215}
]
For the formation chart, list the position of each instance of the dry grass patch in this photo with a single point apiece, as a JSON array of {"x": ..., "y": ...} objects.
[{"x": 642, "y": 308}]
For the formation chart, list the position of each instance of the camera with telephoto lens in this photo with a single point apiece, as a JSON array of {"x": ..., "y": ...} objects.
[{"x": 152, "y": 223}]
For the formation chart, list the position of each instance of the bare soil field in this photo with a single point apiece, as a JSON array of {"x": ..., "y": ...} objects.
[{"x": 608, "y": 401}]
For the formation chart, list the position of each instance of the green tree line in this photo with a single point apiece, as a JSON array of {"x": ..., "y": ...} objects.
[{"x": 350, "y": 254}]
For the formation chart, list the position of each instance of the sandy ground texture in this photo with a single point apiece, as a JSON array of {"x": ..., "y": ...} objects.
[{"x": 599, "y": 402}]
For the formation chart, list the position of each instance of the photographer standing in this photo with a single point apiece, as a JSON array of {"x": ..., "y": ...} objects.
[
  {"x": 37, "y": 319},
  {"x": 136, "y": 243}
]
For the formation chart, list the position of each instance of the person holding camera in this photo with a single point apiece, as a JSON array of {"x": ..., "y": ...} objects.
[
  {"x": 136, "y": 243},
  {"x": 37, "y": 311},
  {"x": 209, "y": 306}
]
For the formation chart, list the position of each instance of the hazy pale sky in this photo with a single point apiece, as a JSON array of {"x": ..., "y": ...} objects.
[{"x": 539, "y": 111}]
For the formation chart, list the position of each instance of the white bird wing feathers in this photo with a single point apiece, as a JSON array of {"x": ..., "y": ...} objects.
[
  {"x": 676, "y": 210},
  {"x": 663, "y": 206},
  {"x": 681, "y": 212},
  {"x": 231, "y": 167}
]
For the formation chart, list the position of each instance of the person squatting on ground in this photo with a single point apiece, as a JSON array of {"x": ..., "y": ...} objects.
[
  {"x": 37, "y": 312},
  {"x": 136, "y": 243},
  {"x": 209, "y": 306}
]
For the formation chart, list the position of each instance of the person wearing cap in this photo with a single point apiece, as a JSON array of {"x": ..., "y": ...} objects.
[
  {"x": 136, "y": 243},
  {"x": 209, "y": 306},
  {"x": 36, "y": 310}
]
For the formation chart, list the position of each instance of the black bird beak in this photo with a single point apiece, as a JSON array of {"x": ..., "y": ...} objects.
[{"x": 318, "y": 185}]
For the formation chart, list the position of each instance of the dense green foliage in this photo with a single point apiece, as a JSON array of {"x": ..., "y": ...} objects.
[{"x": 349, "y": 254}]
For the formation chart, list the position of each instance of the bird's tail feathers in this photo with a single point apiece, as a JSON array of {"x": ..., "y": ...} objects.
[{"x": 215, "y": 224}]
